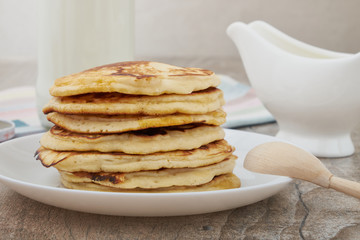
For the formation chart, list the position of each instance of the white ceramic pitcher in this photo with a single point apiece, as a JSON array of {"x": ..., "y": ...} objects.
[{"x": 313, "y": 93}]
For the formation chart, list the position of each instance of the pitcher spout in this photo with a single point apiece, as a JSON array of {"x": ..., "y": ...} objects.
[
  {"x": 240, "y": 33},
  {"x": 250, "y": 44},
  {"x": 236, "y": 29},
  {"x": 254, "y": 50}
]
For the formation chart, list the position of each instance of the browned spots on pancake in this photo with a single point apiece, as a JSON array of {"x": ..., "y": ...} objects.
[
  {"x": 206, "y": 91},
  {"x": 119, "y": 64},
  {"x": 121, "y": 72},
  {"x": 114, "y": 178},
  {"x": 39, "y": 156},
  {"x": 58, "y": 131},
  {"x": 149, "y": 132},
  {"x": 36, "y": 154},
  {"x": 204, "y": 147},
  {"x": 225, "y": 147},
  {"x": 200, "y": 72},
  {"x": 183, "y": 128},
  {"x": 144, "y": 70},
  {"x": 164, "y": 130}
]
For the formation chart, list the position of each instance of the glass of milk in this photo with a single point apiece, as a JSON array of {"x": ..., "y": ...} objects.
[{"x": 74, "y": 35}]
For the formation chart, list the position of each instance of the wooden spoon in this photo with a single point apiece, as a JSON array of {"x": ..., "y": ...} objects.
[{"x": 278, "y": 158}]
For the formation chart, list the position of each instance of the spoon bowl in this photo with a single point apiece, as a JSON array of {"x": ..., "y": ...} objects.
[{"x": 279, "y": 158}]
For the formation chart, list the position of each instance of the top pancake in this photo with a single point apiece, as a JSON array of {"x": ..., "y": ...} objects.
[{"x": 138, "y": 77}]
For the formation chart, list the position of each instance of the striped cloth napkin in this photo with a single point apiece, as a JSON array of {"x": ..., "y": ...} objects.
[
  {"x": 242, "y": 106},
  {"x": 19, "y": 105}
]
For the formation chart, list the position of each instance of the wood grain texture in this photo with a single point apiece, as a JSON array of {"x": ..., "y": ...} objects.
[{"x": 302, "y": 211}]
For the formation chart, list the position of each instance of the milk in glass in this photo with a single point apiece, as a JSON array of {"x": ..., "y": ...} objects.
[{"x": 74, "y": 35}]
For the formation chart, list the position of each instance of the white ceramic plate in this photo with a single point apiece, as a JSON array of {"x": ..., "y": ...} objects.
[{"x": 20, "y": 171}]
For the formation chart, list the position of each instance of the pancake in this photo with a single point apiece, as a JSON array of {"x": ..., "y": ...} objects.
[
  {"x": 124, "y": 123},
  {"x": 138, "y": 127},
  {"x": 199, "y": 102},
  {"x": 225, "y": 181},
  {"x": 184, "y": 137},
  {"x": 119, "y": 162},
  {"x": 154, "y": 179},
  {"x": 138, "y": 77}
]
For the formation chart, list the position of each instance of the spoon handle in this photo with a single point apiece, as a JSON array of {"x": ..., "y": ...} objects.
[{"x": 346, "y": 186}]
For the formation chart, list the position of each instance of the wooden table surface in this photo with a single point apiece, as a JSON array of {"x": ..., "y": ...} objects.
[{"x": 301, "y": 211}]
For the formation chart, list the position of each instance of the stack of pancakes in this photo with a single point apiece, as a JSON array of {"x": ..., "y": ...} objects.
[{"x": 138, "y": 127}]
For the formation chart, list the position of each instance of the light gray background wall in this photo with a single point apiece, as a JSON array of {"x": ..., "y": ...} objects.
[{"x": 197, "y": 27}]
